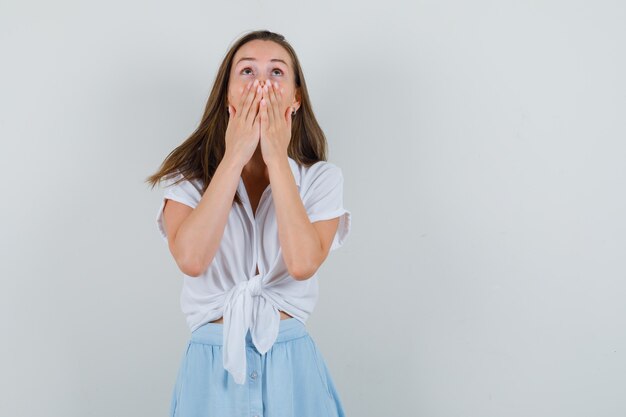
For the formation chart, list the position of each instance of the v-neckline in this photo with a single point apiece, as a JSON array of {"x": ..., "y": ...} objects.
[{"x": 253, "y": 210}]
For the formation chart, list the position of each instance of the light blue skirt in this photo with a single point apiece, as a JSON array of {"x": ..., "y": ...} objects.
[{"x": 290, "y": 380}]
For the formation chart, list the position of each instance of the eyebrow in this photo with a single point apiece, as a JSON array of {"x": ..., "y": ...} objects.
[{"x": 254, "y": 59}]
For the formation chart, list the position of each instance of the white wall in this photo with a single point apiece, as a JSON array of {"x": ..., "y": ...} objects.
[{"x": 482, "y": 145}]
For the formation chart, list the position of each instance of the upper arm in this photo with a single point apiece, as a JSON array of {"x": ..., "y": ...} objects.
[
  {"x": 326, "y": 230},
  {"x": 323, "y": 201},
  {"x": 174, "y": 213},
  {"x": 178, "y": 201}
]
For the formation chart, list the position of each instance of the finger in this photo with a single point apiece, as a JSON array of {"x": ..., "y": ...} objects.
[
  {"x": 263, "y": 113},
  {"x": 268, "y": 107},
  {"x": 249, "y": 96},
  {"x": 242, "y": 96},
  {"x": 257, "y": 119},
  {"x": 279, "y": 94},
  {"x": 275, "y": 101},
  {"x": 254, "y": 93},
  {"x": 254, "y": 111},
  {"x": 256, "y": 122},
  {"x": 287, "y": 118}
]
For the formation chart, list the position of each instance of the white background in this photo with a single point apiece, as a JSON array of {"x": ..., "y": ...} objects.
[{"x": 483, "y": 149}]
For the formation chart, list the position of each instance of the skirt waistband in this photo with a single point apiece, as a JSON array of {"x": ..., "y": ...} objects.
[{"x": 212, "y": 333}]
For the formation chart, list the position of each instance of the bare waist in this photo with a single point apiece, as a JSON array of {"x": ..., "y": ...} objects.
[{"x": 283, "y": 316}]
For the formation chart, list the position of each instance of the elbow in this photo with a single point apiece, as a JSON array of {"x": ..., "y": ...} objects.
[
  {"x": 302, "y": 272},
  {"x": 192, "y": 267},
  {"x": 189, "y": 262},
  {"x": 303, "y": 268},
  {"x": 192, "y": 271}
]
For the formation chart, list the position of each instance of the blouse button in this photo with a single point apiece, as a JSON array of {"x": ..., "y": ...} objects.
[{"x": 253, "y": 375}]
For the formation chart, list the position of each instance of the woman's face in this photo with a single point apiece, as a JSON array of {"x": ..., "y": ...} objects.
[{"x": 267, "y": 62}]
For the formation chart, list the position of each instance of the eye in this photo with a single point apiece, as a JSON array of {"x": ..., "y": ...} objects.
[{"x": 275, "y": 69}]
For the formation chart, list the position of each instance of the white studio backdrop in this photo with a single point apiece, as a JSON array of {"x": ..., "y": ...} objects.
[{"x": 482, "y": 145}]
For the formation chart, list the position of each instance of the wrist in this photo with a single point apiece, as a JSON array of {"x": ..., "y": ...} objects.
[
  {"x": 231, "y": 162},
  {"x": 280, "y": 164}
]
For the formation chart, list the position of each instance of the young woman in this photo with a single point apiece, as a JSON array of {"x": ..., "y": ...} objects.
[{"x": 250, "y": 211}]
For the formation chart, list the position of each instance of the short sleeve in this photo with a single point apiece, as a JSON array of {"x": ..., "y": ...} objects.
[
  {"x": 185, "y": 192},
  {"x": 323, "y": 199}
]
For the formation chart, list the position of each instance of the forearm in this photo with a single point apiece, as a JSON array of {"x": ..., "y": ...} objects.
[
  {"x": 299, "y": 241},
  {"x": 199, "y": 236}
]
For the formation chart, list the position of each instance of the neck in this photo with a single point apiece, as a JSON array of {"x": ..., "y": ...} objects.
[{"x": 255, "y": 168}]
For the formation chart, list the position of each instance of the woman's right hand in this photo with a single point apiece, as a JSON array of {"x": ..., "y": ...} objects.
[{"x": 243, "y": 130}]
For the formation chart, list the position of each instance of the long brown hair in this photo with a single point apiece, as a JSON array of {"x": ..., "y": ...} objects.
[{"x": 200, "y": 154}]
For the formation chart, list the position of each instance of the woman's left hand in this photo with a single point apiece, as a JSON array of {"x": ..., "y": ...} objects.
[{"x": 275, "y": 124}]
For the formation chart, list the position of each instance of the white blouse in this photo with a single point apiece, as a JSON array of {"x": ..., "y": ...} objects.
[{"x": 230, "y": 286}]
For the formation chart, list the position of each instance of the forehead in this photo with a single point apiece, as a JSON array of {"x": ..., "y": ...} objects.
[{"x": 262, "y": 51}]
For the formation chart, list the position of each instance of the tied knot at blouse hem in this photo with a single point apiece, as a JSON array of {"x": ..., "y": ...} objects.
[{"x": 230, "y": 287}]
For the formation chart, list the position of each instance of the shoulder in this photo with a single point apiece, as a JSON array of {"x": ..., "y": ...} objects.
[
  {"x": 321, "y": 173},
  {"x": 177, "y": 178},
  {"x": 322, "y": 180},
  {"x": 184, "y": 190}
]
